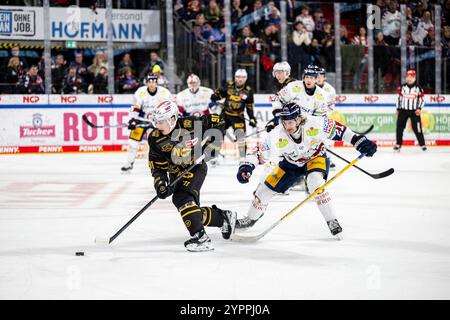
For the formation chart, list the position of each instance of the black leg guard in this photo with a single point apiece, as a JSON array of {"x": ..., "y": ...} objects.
[{"x": 212, "y": 217}]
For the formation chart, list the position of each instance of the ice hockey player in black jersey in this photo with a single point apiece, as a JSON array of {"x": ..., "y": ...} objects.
[
  {"x": 238, "y": 98},
  {"x": 174, "y": 145}
]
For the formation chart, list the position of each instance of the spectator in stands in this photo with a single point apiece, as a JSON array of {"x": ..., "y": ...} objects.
[
  {"x": 98, "y": 62},
  {"x": 274, "y": 16},
  {"x": 128, "y": 83},
  {"x": 82, "y": 70},
  {"x": 214, "y": 15},
  {"x": 192, "y": 10},
  {"x": 360, "y": 40},
  {"x": 258, "y": 17},
  {"x": 236, "y": 12},
  {"x": 200, "y": 28},
  {"x": 271, "y": 42},
  {"x": 15, "y": 52},
  {"x": 324, "y": 35},
  {"x": 247, "y": 53},
  {"x": 154, "y": 59},
  {"x": 319, "y": 20},
  {"x": 315, "y": 54},
  {"x": 73, "y": 82},
  {"x": 380, "y": 60},
  {"x": 423, "y": 26},
  {"x": 32, "y": 83},
  {"x": 390, "y": 24},
  {"x": 300, "y": 48},
  {"x": 307, "y": 20},
  {"x": 344, "y": 35},
  {"x": 101, "y": 82},
  {"x": 14, "y": 74},
  {"x": 126, "y": 62},
  {"x": 59, "y": 70}
]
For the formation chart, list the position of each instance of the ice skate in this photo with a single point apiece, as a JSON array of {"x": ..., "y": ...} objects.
[
  {"x": 245, "y": 223},
  {"x": 397, "y": 148},
  {"x": 199, "y": 242},
  {"x": 127, "y": 167},
  {"x": 335, "y": 229},
  {"x": 229, "y": 222}
]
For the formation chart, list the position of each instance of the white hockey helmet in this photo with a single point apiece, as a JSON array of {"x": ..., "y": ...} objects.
[
  {"x": 241, "y": 73},
  {"x": 281, "y": 66},
  {"x": 193, "y": 81},
  {"x": 165, "y": 111}
]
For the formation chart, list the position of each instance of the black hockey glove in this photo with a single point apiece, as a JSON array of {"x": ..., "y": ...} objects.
[
  {"x": 133, "y": 123},
  {"x": 163, "y": 190},
  {"x": 245, "y": 172},
  {"x": 252, "y": 122},
  {"x": 364, "y": 145},
  {"x": 271, "y": 124}
]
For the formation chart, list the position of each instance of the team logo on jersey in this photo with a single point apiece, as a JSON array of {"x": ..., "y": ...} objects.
[
  {"x": 319, "y": 97},
  {"x": 296, "y": 89},
  {"x": 167, "y": 147},
  {"x": 243, "y": 96},
  {"x": 282, "y": 143},
  {"x": 311, "y": 132},
  {"x": 187, "y": 123}
]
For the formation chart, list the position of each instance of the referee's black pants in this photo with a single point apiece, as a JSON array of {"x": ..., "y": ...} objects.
[{"x": 416, "y": 125}]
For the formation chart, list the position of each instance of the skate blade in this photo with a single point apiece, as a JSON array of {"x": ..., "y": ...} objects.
[
  {"x": 339, "y": 237},
  {"x": 201, "y": 248}
]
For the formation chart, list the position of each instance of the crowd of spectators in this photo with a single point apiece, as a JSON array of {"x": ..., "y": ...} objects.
[
  {"x": 76, "y": 76},
  {"x": 311, "y": 35}
]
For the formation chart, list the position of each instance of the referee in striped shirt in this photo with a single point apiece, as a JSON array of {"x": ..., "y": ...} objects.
[{"x": 409, "y": 104}]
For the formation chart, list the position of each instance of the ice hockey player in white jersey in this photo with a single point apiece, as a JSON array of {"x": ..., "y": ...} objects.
[
  {"x": 328, "y": 88},
  {"x": 299, "y": 141},
  {"x": 146, "y": 98},
  {"x": 305, "y": 93},
  {"x": 194, "y": 100},
  {"x": 331, "y": 97}
]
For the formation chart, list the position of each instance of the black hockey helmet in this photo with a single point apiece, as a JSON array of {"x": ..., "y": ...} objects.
[{"x": 290, "y": 111}]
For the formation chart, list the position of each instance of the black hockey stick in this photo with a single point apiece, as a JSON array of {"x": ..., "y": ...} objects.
[
  {"x": 100, "y": 240},
  {"x": 120, "y": 125},
  {"x": 380, "y": 175},
  {"x": 364, "y": 132}
]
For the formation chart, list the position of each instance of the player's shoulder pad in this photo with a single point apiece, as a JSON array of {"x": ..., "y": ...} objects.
[
  {"x": 155, "y": 133},
  {"x": 248, "y": 88},
  {"x": 186, "y": 122},
  {"x": 230, "y": 83}
]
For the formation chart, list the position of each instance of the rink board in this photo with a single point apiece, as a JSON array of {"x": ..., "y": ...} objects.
[{"x": 53, "y": 123}]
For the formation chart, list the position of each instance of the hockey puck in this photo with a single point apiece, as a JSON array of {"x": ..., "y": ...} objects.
[{"x": 79, "y": 253}]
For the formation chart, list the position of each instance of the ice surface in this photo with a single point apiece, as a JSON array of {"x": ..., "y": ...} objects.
[{"x": 396, "y": 234}]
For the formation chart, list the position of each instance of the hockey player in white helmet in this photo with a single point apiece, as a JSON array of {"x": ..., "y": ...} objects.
[
  {"x": 172, "y": 148},
  {"x": 194, "y": 100},
  {"x": 299, "y": 141},
  {"x": 144, "y": 101},
  {"x": 304, "y": 92}
]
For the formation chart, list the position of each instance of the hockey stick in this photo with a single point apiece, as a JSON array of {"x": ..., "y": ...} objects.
[
  {"x": 123, "y": 125},
  {"x": 380, "y": 175},
  {"x": 106, "y": 241},
  {"x": 255, "y": 133},
  {"x": 294, "y": 209},
  {"x": 365, "y": 132}
]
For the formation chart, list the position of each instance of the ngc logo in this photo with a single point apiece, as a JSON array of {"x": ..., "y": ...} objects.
[{"x": 38, "y": 129}]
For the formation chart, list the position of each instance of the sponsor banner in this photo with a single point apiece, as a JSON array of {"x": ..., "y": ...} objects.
[
  {"x": 79, "y": 24},
  {"x": 54, "y": 123}
]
